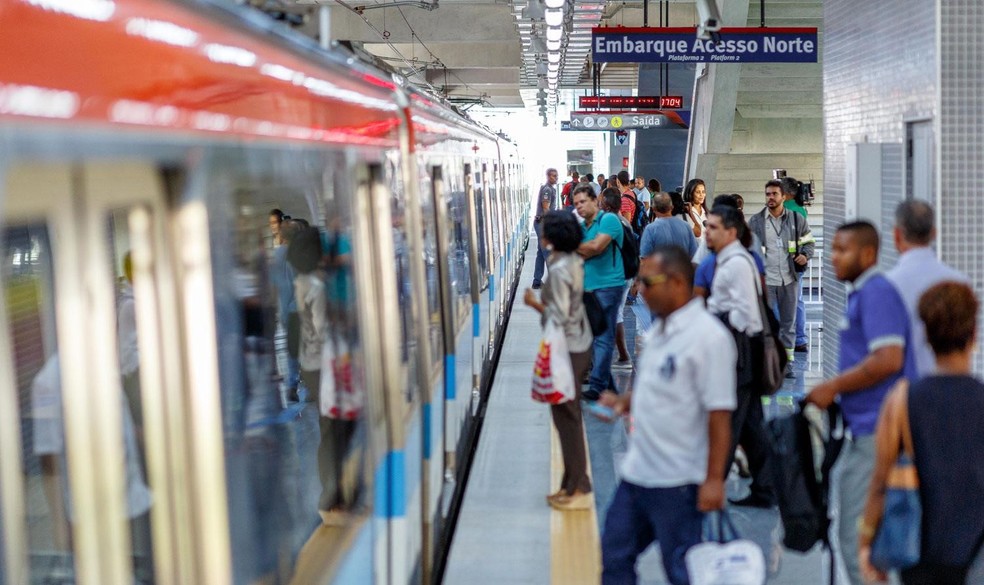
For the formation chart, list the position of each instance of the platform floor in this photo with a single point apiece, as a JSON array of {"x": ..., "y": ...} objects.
[{"x": 507, "y": 534}]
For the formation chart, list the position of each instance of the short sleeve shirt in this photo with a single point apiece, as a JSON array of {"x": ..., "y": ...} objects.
[
  {"x": 676, "y": 389},
  {"x": 604, "y": 270},
  {"x": 876, "y": 318},
  {"x": 628, "y": 206},
  {"x": 547, "y": 198}
]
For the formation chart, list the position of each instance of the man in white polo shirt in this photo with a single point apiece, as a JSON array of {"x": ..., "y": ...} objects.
[{"x": 673, "y": 471}]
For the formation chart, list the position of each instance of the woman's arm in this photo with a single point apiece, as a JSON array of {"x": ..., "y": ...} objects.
[{"x": 888, "y": 437}]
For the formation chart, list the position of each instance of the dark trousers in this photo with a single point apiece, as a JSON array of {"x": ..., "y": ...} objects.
[
  {"x": 541, "y": 254},
  {"x": 747, "y": 428},
  {"x": 336, "y": 436},
  {"x": 570, "y": 428},
  {"x": 931, "y": 574},
  {"x": 637, "y": 517}
]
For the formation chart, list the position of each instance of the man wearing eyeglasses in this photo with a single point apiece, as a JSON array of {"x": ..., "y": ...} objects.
[{"x": 673, "y": 471}]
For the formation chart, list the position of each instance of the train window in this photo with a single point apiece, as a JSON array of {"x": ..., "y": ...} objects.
[
  {"x": 28, "y": 286},
  {"x": 291, "y": 361},
  {"x": 459, "y": 264},
  {"x": 401, "y": 249},
  {"x": 431, "y": 274},
  {"x": 480, "y": 228}
]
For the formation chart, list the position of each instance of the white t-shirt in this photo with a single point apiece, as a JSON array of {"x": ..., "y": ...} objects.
[{"x": 675, "y": 390}]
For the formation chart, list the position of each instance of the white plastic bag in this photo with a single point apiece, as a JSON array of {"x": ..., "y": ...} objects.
[
  {"x": 553, "y": 376},
  {"x": 725, "y": 560},
  {"x": 340, "y": 398}
]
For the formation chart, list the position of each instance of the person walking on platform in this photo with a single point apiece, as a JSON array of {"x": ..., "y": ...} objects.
[
  {"x": 546, "y": 200},
  {"x": 665, "y": 230},
  {"x": 938, "y": 419},
  {"x": 790, "y": 189},
  {"x": 604, "y": 275},
  {"x": 673, "y": 471},
  {"x": 561, "y": 302},
  {"x": 610, "y": 202},
  {"x": 787, "y": 245},
  {"x": 565, "y": 193},
  {"x": 874, "y": 341},
  {"x": 917, "y": 270},
  {"x": 735, "y": 293}
]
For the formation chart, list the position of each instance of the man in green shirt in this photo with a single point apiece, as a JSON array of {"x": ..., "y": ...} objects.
[{"x": 790, "y": 187}]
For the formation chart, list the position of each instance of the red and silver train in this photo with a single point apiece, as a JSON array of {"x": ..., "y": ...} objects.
[{"x": 145, "y": 435}]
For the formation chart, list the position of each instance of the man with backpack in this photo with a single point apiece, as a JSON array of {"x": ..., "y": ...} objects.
[
  {"x": 631, "y": 209},
  {"x": 565, "y": 194},
  {"x": 735, "y": 298},
  {"x": 604, "y": 276}
]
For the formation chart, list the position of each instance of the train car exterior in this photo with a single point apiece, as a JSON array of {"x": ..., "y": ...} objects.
[{"x": 146, "y": 345}]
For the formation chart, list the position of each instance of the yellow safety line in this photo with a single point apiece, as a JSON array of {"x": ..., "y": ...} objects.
[{"x": 575, "y": 546}]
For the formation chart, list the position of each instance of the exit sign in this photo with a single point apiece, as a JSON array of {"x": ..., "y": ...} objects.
[{"x": 628, "y": 102}]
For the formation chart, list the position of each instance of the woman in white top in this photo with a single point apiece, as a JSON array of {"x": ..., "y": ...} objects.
[{"x": 695, "y": 196}]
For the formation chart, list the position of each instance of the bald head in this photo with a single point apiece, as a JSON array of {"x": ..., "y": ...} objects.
[
  {"x": 914, "y": 220},
  {"x": 663, "y": 204}
]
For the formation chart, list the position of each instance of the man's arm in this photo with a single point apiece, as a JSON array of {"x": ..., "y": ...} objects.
[
  {"x": 595, "y": 246},
  {"x": 711, "y": 493},
  {"x": 874, "y": 369}
]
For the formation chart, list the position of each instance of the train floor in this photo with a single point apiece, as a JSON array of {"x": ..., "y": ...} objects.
[{"x": 506, "y": 533}]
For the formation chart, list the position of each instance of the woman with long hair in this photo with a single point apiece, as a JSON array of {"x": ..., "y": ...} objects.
[{"x": 695, "y": 201}]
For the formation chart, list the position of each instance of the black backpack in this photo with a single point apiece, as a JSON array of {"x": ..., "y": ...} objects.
[
  {"x": 629, "y": 250},
  {"x": 804, "y": 498}
]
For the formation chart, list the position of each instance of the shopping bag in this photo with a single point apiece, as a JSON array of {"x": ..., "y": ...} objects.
[
  {"x": 724, "y": 558},
  {"x": 553, "y": 376},
  {"x": 339, "y": 398}
]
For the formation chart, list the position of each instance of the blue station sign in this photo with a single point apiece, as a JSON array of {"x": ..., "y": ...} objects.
[{"x": 681, "y": 45}]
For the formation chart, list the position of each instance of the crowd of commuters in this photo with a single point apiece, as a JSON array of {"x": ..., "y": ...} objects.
[{"x": 706, "y": 280}]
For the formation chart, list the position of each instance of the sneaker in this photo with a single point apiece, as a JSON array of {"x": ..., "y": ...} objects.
[
  {"x": 590, "y": 395},
  {"x": 752, "y": 501},
  {"x": 536, "y": 285},
  {"x": 802, "y": 348},
  {"x": 790, "y": 373},
  {"x": 572, "y": 502},
  {"x": 622, "y": 365}
]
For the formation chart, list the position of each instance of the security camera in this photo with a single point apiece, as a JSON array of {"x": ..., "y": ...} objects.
[{"x": 710, "y": 20}]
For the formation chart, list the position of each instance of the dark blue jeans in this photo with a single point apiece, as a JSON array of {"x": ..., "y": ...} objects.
[
  {"x": 541, "y": 255},
  {"x": 637, "y": 517},
  {"x": 604, "y": 345}
]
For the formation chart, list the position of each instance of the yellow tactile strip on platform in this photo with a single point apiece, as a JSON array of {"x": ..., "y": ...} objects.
[{"x": 575, "y": 546}]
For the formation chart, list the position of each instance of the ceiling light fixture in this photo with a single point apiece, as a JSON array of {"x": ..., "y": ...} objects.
[
  {"x": 553, "y": 45},
  {"x": 554, "y": 33},
  {"x": 553, "y": 57},
  {"x": 554, "y": 17}
]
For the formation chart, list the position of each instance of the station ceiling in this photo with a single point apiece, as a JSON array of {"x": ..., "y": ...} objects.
[{"x": 480, "y": 51}]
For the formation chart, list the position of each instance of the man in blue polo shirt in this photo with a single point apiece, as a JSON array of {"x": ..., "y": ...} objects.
[
  {"x": 604, "y": 275},
  {"x": 875, "y": 351}
]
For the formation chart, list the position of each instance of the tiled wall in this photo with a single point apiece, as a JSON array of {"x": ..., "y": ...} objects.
[
  {"x": 879, "y": 70},
  {"x": 962, "y": 142}
]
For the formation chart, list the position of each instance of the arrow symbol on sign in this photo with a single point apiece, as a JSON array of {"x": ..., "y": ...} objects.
[{"x": 575, "y": 122}]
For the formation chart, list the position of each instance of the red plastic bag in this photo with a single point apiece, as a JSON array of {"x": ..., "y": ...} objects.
[{"x": 553, "y": 376}]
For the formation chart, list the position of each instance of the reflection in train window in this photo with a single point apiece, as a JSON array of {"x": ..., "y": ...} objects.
[
  {"x": 28, "y": 283},
  {"x": 460, "y": 267},
  {"x": 433, "y": 317},
  {"x": 404, "y": 285},
  {"x": 291, "y": 360},
  {"x": 483, "y": 260},
  {"x": 138, "y": 496}
]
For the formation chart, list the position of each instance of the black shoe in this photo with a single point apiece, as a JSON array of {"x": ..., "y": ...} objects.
[
  {"x": 292, "y": 395},
  {"x": 536, "y": 285},
  {"x": 790, "y": 372},
  {"x": 753, "y": 502},
  {"x": 802, "y": 348},
  {"x": 590, "y": 395}
]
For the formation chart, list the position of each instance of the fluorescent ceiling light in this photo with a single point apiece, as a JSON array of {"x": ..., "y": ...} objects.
[
  {"x": 555, "y": 45},
  {"x": 554, "y": 3},
  {"x": 554, "y": 17},
  {"x": 554, "y": 34},
  {"x": 553, "y": 57}
]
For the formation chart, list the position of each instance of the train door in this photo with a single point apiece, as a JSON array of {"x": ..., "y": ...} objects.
[{"x": 89, "y": 472}]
